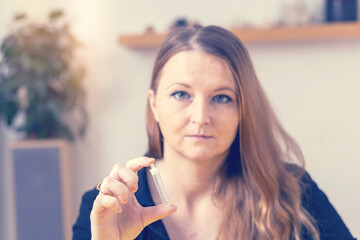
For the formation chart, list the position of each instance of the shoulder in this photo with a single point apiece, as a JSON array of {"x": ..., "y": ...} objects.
[
  {"x": 305, "y": 181},
  {"x": 90, "y": 196},
  {"x": 311, "y": 196},
  {"x": 317, "y": 204},
  {"x": 81, "y": 228}
]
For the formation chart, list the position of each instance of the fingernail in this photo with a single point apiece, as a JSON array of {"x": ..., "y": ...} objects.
[
  {"x": 134, "y": 189},
  {"x": 124, "y": 200},
  {"x": 170, "y": 206},
  {"x": 119, "y": 209}
]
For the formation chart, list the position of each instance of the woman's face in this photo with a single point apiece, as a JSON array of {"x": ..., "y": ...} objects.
[{"x": 195, "y": 106}]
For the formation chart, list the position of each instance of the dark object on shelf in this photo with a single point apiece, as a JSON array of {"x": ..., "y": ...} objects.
[
  {"x": 341, "y": 10},
  {"x": 183, "y": 22},
  {"x": 150, "y": 30},
  {"x": 180, "y": 22}
]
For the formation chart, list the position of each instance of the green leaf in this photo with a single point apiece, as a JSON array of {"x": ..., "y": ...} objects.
[
  {"x": 64, "y": 132},
  {"x": 10, "y": 110},
  {"x": 84, "y": 122}
]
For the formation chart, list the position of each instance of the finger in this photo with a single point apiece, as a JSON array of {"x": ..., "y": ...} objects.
[
  {"x": 152, "y": 214},
  {"x": 138, "y": 163},
  {"x": 111, "y": 186},
  {"x": 103, "y": 202},
  {"x": 125, "y": 175}
]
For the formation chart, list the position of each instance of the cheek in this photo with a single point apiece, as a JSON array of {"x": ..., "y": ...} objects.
[
  {"x": 171, "y": 119},
  {"x": 167, "y": 113},
  {"x": 228, "y": 121},
  {"x": 229, "y": 115},
  {"x": 169, "y": 108}
]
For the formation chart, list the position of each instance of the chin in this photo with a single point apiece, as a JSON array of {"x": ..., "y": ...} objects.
[{"x": 201, "y": 156}]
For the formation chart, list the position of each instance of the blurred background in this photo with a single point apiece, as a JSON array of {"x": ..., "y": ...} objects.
[{"x": 313, "y": 85}]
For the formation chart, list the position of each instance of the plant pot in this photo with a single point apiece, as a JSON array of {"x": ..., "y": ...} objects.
[{"x": 42, "y": 174}]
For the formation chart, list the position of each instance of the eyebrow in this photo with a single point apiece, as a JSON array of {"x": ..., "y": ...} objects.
[
  {"x": 216, "y": 90},
  {"x": 183, "y": 84},
  {"x": 225, "y": 88}
]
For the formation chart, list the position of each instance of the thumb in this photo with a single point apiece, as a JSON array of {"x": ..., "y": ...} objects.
[{"x": 152, "y": 214}]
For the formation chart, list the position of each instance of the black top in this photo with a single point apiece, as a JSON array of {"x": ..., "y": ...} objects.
[{"x": 330, "y": 224}]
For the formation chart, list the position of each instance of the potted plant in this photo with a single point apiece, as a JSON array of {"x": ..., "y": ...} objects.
[
  {"x": 38, "y": 76},
  {"x": 41, "y": 80}
]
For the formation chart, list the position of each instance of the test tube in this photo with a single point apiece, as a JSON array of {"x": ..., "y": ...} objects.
[{"x": 159, "y": 184}]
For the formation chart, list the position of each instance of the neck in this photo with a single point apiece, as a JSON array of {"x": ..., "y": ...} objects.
[{"x": 189, "y": 180}]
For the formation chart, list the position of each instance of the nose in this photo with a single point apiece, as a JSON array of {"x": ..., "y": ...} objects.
[{"x": 200, "y": 112}]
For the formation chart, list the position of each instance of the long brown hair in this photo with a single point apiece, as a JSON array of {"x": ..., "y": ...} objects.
[{"x": 262, "y": 196}]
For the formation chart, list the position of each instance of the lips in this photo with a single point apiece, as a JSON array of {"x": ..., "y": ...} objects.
[{"x": 196, "y": 136}]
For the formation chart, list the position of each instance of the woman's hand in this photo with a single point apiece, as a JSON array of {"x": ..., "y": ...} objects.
[{"x": 116, "y": 213}]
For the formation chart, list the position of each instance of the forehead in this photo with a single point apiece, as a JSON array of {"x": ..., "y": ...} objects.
[{"x": 188, "y": 66}]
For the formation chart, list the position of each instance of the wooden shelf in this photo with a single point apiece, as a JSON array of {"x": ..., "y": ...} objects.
[{"x": 262, "y": 35}]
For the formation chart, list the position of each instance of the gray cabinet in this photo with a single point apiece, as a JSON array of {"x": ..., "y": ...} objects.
[{"x": 42, "y": 176}]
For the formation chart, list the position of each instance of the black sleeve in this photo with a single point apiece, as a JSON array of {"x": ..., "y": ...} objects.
[
  {"x": 81, "y": 228},
  {"x": 329, "y": 222}
]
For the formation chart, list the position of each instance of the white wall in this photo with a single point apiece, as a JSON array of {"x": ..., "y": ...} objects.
[
  {"x": 313, "y": 86},
  {"x": 315, "y": 92}
]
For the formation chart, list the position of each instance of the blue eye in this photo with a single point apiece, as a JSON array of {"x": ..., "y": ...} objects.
[
  {"x": 222, "y": 99},
  {"x": 180, "y": 95}
]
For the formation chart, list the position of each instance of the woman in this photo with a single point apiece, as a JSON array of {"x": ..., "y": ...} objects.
[{"x": 224, "y": 157}]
